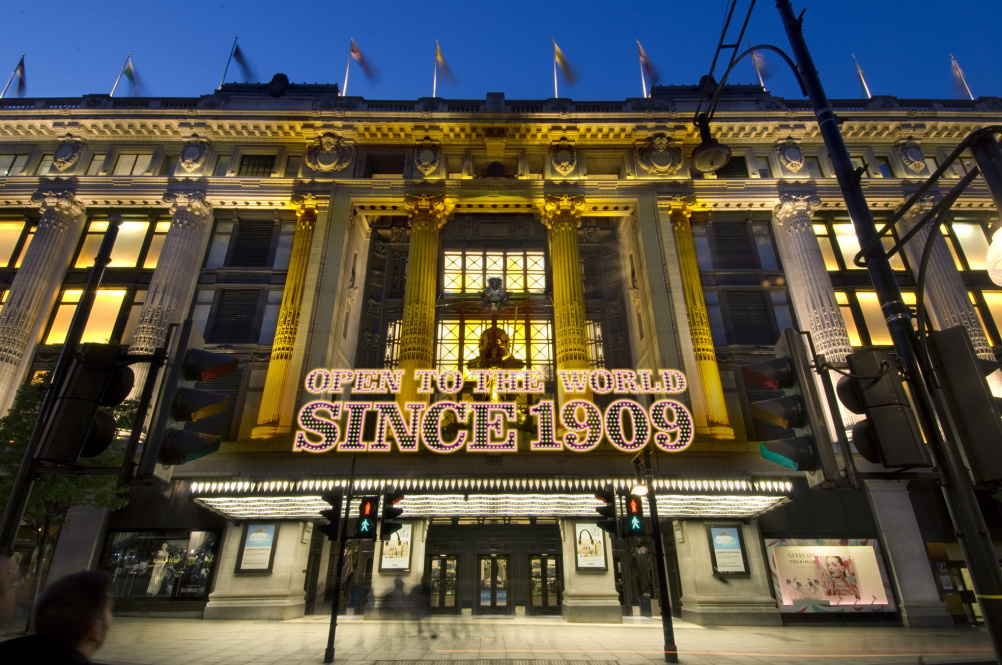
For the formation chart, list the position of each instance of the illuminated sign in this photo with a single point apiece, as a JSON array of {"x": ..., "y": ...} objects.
[
  {"x": 365, "y": 527},
  {"x": 634, "y": 522},
  {"x": 488, "y": 426}
]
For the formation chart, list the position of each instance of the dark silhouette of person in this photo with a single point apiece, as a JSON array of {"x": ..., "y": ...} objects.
[
  {"x": 71, "y": 622},
  {"x": 420, "y": 603},
  {"x": 394, "y": 602}
]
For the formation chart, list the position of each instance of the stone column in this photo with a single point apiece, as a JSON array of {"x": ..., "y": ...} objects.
[
  {"x": 589, "y": 596},
  {"x": 173, "y": 283},
  {"x": 269, "y": 415},
  {"x": 35, "y": 285},
  {"x": 946, "y": 299},
  {"x": 562, "y": 216},
  {"x": 811, "y": 290},
  {"x": 417, "y": 328},
  {"x": 699, "y": 324},
  {"x": 910, "y": 570}
]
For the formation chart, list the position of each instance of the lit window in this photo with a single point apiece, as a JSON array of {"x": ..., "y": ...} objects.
[
  {"x": 994, "y": 301},
  {"x": 973, "y": 243},
  {"x": 100, "y": 323},
  {"x": 850, "y": 321},
  {"x": 467, "y": 272},
  {"x": 827, "y": 251},
  {"x": 12, "y": 164},
  {"x": 952, "y": 247},
  {"x": 876, "y": 327},
  {"x": 156, "y": 245},
  {"x": 128, "y": 244},
  {"x": 392, "y": 345},
  {"x": 848, "y": 243},
  {"x": 596, "y": 350},
  {"x": 458, "y": 342},
  {"x": 10, "y": 234},
  {"x": 132, "y": 163}
]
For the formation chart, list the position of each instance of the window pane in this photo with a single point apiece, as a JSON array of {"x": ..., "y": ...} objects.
[
  {"x": 535, "y": 267},
  {"x": 827, "y": 251},
  {"x": 973, "y": 243},
  {"x": 24, "y": 249},
  {"x": 129, "y": 244},
  {"x": 453, "y": 272},
  {"x": 235, "y": 317},
  {"x": 256, "y": 166},
  {"x": 153, "y": 255},
  {"x": 95, "y": 165},
  {"x": 142, "y": 164},
  {"x": 994, "y": 301},
  {"x": 10, "y": 233},
  {"x": 845, "y": 235},
  {"x": 124, "y": 164},
  {"x": 813, "y": 167},
  {"x": 100, "y": 323},
  {"x": 44, "y": 165},
  {"x": 874, "y": 318}
]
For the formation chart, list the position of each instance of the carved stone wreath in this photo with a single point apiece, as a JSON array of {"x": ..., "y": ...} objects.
[
  {"x": 911, "y": 155},
  {"x": 658, "y": 155},
  {"x": 67, "y": 154},
  {"x": 426, "y": 157},
  {"x": 790, "y": 155},
  {"x": 193, "y": 154},
  {"x": 329, "y": 152},
  {"x": 563, "y": 156}
]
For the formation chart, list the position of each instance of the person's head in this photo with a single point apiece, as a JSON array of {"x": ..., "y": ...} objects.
[
  {"x": 76, "y": 612},
  {"x": 8, "y": 588},
  {"x": 835, "y": 566}
]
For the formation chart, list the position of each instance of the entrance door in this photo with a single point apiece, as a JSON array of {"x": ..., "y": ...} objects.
[
  {"x": 545, "y": 576},
  {"x": 443, "y": 584},
  {"x": 493, "y": 585}
]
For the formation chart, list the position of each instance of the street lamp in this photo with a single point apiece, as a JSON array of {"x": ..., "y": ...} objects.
[{"x": 710, "y": 155}]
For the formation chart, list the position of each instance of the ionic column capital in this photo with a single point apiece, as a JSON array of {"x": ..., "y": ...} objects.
[
  {"x": 59, "y": 208},
  {"x": 306, "y": 211},
  {"x": 919, "y": 209},
  {"x": 562, "y": 210},
  {"x": 191, "y": 207},
  {"x": 426, "y": 210},
  {"x": 795, "y": 206}
]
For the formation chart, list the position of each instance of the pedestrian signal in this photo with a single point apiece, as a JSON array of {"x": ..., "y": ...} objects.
[
  {"x": 634, "y": 521},
  {"x": 365, "y": 526}
]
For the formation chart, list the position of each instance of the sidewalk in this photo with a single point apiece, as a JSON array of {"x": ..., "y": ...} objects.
[{"x": 529, "y": 641}]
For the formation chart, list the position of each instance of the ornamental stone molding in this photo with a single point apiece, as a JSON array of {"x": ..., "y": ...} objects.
[
  {"x": 193, "y": 154},
  {"x": 796, "y": 207},
  {"x": 790, "y": 155},
  {"x": 63, "y": 206},
  {"x": 911, "y": 155},
  {"x": 67, "y": 154},
  {"x": 427, "y": 156},
  {"x": 329, "y": 153},
  {"x": 658, "y": 155},
  {"x": 426, "y": 208},
  {"x": 563, "y": 156},
  {"x": 564, "y": 207},
  {"x": 188, "y": 206}
]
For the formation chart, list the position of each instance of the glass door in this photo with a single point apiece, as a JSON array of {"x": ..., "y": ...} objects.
[
  {"x": 493, "y": 585},
  {"x": 545, "y": 575},
  {"x": 443, "y": 584}
]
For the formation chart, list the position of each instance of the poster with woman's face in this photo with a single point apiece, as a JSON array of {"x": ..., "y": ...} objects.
[
  {"x": 589, "y": 543},
  {"x": 829, "y": 575}
]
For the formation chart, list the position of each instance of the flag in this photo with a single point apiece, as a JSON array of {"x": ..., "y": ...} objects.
[
  {"x": 241, "y": 59},
  {"x": 130, "y": 71},
  {"x": 645, "y": 62},
  {"x": 761, "y": 65},
  {"x": 356, "y": 53},
  {"x": 21, "y": 80},
  {"x": 558, "y": 57},
  {"x": 443, "y": 66},
  {"x": 862, "y": 80},
  {"x": 959, "y": 81}
]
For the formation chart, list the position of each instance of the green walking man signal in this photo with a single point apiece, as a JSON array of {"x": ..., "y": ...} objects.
[{"x": 365, "y": 527}]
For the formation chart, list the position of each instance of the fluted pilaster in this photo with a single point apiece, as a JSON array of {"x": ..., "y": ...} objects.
[
  {"x": 699, "y": 323},
  {"x": 427, "y": 214},
  {"x": 946, "y": 299},
  {"x": 562, "y": 216},
  {"x": 173, "y": 282},
  {"x": 277, "y": 379},
  {"x": 35, "y": 284}
]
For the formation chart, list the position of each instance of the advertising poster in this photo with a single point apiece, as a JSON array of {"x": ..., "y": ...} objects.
[
  {"x": 397, "y": 550},
  {"x": 589, "y": 541},
  {"x": 828, "y": 575},
  {"x": 161, "y": 565},
  {"x": 258, "y": 548},
  {"x": 728, "y": 550}
]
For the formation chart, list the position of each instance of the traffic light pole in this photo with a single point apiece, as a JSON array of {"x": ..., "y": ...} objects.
[
  {"x": 21, "y": 488},
  {"x": 339, "y": 567},
  {"x": 671, "y": 650},
  {"x": 957, "y": 488}
]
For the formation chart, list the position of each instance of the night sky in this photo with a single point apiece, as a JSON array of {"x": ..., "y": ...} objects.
[{"x": 180, "y": 48}]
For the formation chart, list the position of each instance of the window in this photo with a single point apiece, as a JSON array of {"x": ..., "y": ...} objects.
[
  {"x": 12, "y": 164},
  {"x": 813, "y": 167},
  {"x": 747, "y": 317},
  {"x": 762, "y": 166},
  {"x": 733, "y": 247},
  {"x": 873, "y": 319},
  {"x": 256, "y": 166},
  {"x": 156, "y": 245},
  {"x": 127, "y": 249},
  {"x": 269, "y": 321},
  {"x": 236, "y": 317},
  {"x": 860, "y": 162},
  {"x": 96, "y": 162},
  {"x": 974, "y": 244},
  {"x": 737, "y": 167},
  {"x": 170, "y": 165},
  {"x": 842, "y": 298},
  {"x": 292, "y": 166},
  {"x": 884, "y": 167},
  {"x": 10, "y": 238},
  {"x": 458, "y": 342},
  {"x": 219, "y": 424},
  {"x": 467, "y": 272},
  {"x": 100, "y": 323},
  {"x": 596, "y": 350},
  {"x": 392, "y": 345},
  {"x": 251, "y": 246},
  {"x": 132, "y": 163},
  {"x": 222, "y": 166},
  {"x": 44, "y": 165},
  {"x": 841, "y": 238}
]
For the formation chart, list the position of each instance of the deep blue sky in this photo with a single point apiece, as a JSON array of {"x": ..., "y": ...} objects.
[{"x": 179, "y": 48}]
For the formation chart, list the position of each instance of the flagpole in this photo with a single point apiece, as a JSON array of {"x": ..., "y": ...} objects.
[
  {"x": 124, "y": 65},
  {"x": 963, "y": 79},
  {"x": 556, "y": 94},
  {"x": 12, "y": 75},
  {"x": 227, "y": 67},
  {"x": 862, "y": 80},
  {"x": 344, "y": 88},
  {"x": 434, "y": 78},
  {"x": 643, "y": 79}
]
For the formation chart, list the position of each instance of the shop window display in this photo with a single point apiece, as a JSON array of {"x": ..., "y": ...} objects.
[{"x": 167, "y": 565}]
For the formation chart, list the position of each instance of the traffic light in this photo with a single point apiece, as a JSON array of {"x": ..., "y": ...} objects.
[
  {"x": 974, "y": 409},
  {"x": 365, "y": 527},
  {"x": 168, "y": 443},
  {"x": 332, "y": 514},
  {"x": 634, "y": 525},
  {"x": 75, "y": 427},
  {"x": 387, "y": 525},
  {"x": 608, "y": 510},
  {"x": 890, "y": 434},
  {"x": 801, "y": 409}
]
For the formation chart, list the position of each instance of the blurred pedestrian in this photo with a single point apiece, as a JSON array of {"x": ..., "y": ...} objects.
[
  {"x": 71, "y": 622},
  {"x": 420, "y": 603}
]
